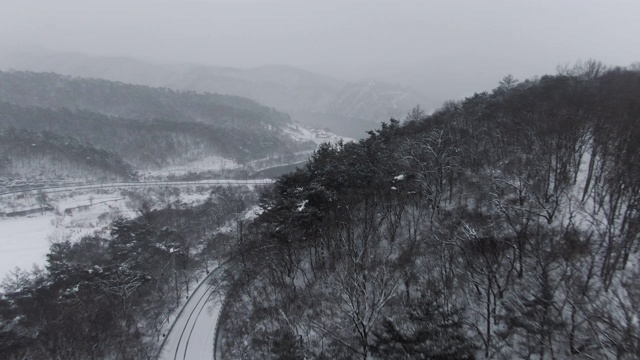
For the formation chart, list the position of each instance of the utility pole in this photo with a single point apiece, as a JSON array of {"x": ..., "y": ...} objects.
[{"x": 175, "y": 275}]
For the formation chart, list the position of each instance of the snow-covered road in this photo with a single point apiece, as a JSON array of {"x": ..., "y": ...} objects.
[
  {"x": 53, "y": 189},
  {"x": 192, "y": 335}
]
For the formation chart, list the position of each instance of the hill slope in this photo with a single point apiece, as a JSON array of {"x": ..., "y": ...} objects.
[
  {"x": 502, "y": 226},
  {"x": 147, "y": 127},
  {"x": 46, "y": 157},
  {"x": 154, "y": 143},
  {"x": 51, "y": 90}
]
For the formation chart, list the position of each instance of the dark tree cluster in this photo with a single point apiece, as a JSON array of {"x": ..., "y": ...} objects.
[{"x": 503, "y": 226}]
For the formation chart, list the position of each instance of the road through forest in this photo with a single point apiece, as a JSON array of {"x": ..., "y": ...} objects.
[
  {"x": 192, "y": 335},
  {"x": 71, "y": 187}
]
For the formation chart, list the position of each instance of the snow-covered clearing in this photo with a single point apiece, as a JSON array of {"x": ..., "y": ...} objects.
[{"x": 23, "y": 242}]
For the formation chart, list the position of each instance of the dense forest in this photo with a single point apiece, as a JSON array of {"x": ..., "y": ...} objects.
[{"x": 503, "y": 226}]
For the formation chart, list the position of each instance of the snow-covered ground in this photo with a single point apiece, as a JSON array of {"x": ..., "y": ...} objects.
[{"x": 23, "y": 242}]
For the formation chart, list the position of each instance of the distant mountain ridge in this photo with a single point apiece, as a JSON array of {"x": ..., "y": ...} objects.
[
  {"x": 50, "y": 90},
  {"x": 347, "y": 108}
]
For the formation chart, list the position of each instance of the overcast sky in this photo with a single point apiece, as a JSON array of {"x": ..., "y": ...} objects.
[{"x": 346, "y": 38}]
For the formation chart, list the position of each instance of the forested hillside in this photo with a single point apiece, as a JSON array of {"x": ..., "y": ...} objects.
[
  {"x": 48, "y": 156},
  {"x": 503, "y": 226},
  {"x": 146, "y": 127},
  {"x": 51, "y": 90},
  {"x": 153, "y": 143}
]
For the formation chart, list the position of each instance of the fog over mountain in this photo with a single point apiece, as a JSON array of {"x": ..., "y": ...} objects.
[
  {"x": 443, "y": 49},
  {"x": 348, "y": 108}
]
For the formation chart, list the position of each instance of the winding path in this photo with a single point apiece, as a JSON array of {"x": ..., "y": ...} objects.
[
  {"x": 89, "y": 186},
  {"x": 192, "y": 335}
]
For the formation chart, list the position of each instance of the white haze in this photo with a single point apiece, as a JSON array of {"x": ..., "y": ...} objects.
[{"x": 443, "y": 48}]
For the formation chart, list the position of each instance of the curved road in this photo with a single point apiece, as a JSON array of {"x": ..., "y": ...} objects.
[
  {"x": 85, "y": 186},
  {"x": 192, "y": 335}
]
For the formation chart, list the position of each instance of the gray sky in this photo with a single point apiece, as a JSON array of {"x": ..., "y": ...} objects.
[{"x": 403, "y": 40}]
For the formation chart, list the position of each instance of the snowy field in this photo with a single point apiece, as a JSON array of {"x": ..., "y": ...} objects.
[{"x": 25, "y": 240}]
